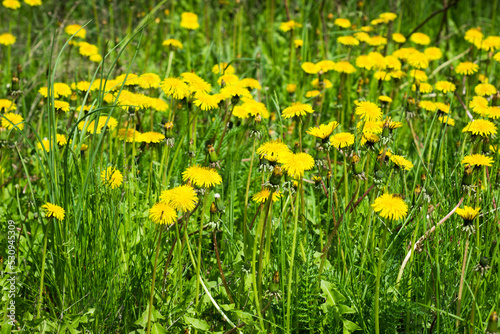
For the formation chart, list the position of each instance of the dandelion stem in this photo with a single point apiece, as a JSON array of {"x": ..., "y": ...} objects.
[
  {"x": 290, "y": 275},
  {"x": 377, "y": 282},
  {"x": 150, "y": 310}
]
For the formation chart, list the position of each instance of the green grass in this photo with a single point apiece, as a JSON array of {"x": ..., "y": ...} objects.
[{"x": 319, "y": 259}]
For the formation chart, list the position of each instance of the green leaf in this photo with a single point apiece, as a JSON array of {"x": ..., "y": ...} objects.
[
  {"x": 331, "y": 294},
  {"x": 143, "y": 320},
  {"x": 350, "y": 326},
  {"x": 196, "y": 323},
  {"x": 344, "y": 309},
  {"x": 156, "y": 328}
]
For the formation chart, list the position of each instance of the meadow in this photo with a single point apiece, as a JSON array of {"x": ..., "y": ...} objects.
[{"x": 244, "y": 166}]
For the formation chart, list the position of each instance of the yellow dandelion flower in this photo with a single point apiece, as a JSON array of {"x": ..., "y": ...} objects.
[
  {"x": 343, "y": 23},
  {"x": 369, "y": 139},
  {"x": 103, "y": 122},
  {"x": 419, "y": 75},
  {"x": 183, "y": 198},
  {"x": 7, "y": 39},
  {"x": 61, "y": 139},
  {"x": 493, "y": 112},
  {"x": 297, "y": 109},
  {"x": 423, "y": 87},
  {"x": 11, "y": 4},
  {"x": 418, "y": 60},
  {"x": 310, "y": 68},
  {"x": 474, "y": 35},
  {"x": 60, "y": 89},
  {"x": 371, "y": 126},
  {"x": 481, "y": 127},
  {"x": 96, "y": 58},
  {"x": 326, "y": 65},
  {"x": 291, "y": 88},
  {"x": 365, "y": 62},
  {"x": 467, "y": 68},
  {"x": 388, "y": 16},
  {"x": 445, "y": 86},
  {"x": 342, "y": 140},
  {"x": 173, "y": 43},
  {"x": 61, "y": 105},
  {"x": 323, "y": 131},
  {"x": 7, "y": 105},
  {"x": 202, "y": 177},
  {"x": 87, "y": 49},
  {"x": 377, "y": 41},
  {"x": 272, "y": 150},
  {"x": 250, "y": 83},
  {"x": 112, "y": 177},
  {"x": 175, "y": 88},
  {"x": 468, "y": 213},
  {"x": 344, "y": 67},
  {"x": 235, "y": 91},
  {"x": 205, "y": 101},
  {"x": 53, "y": 210},
  {"x": 295, "y": 164},
  {"x": 223, "y": 68},
  {"x": 398, "y": 38},
  {"x": 152, "y": 137},
  {"x": 420, "y": 38},
  {"x": 479, "y": 105},
  {"x": 149, "y": 80},
  {"x": 362, "y": 36},
  {"x": 433, "y": 53},
  {"x": 485, "y": 89},
  {"x": 290, "y": 25},
  {"x": 313, "y": 93},
  {"x": 44, "y": 145},
  {"x": 446, "y": 120},
  {"x": 382, "y": 76},
  {"x": 33, "y": 3},
  {"x": 390, "y": 207},
  {"x": 368, "y": 111},
  {"x": 427, "y": 105},
  {"x": 298, "y": 43},
  {"x": 404, "y": 53},
  {"x": 443, "y": 107},
  {"x": 189, "y": 21},
  {"x": 385, "y": 99},
  {"x": 162, "y": 213},
  {"x": 497, "y": 57},
  {"x": 12, "y": 121},
  {"x": 263, "y": 195},
  {"x": 401, "y": 162},
  {"x": 77, "y": 29},
  {"x": 129, "y": 135},
  {"x": 348, "y": 40},
  {"x": 477, "y": 160}
]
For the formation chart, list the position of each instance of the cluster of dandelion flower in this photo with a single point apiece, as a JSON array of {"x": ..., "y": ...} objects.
[
  {"x": 468, "y": 215},
  {"x": 390, "y": 207}
]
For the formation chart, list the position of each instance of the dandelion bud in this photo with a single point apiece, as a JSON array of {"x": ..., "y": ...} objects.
[
  {"x": 330, "y": 16},
  {"x": 276, "y": 176},
  {"x": 467, "y": 178},
  {"x": 73, "y": 96},
  {"x": 169, "y": 126},
  {"x": 15, "y": 83},
  {"x": 492, "y": 323},
  {"x": 212, "y": 154}
]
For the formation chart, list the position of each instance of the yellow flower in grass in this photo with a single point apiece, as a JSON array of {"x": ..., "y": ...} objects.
[
  {"x": 182, "y": 198},
  {"x": 477, "y": 160},
  {"x": 348, "y": 40},
  {"x": 323, "y": 131},
  {"x": 343, "y": 23},
  {"x": 392, "y": 62},
  {"x": 53, "y": 210},
  {"x": 290, "y": 25},
  {"x": 77, "y": 29},
  {"x": 427, "y": 105},
  {"x": 11, "y": 4},
  {"x": 189, "y": 21},
  {"x": 295, "y": 164},
  {"x": 297, "y": 109},
  {"x": 424, "y": 88},
  {"x": 7, "y": 105},
  {"x": 485, "y": 89},
  {"x": 388, "y": 16},
  {"x": 104, "y": 121},
  {"x": 398, "y": 38},
  {"x": 205, "y": 101},
  {"x": 368, "y": 111},
  {"x": 342, "y": 140},
  {"x": 310, "y": 68},
  {"x": 33, "y": 3},
  {"x": 382, "y": 76},
  {"x": 298, "y": 43},
  {"x": 12, "y": 121},
  {"x": 467, "y": 68},
  {"x": 497, "y": 57},
  {"x": 490, "y": 43},
  {"x": 481, "y": 127},
  {"x": 173, "y": 43},
  {"x": 445, "y": 86},
  {"x": 313, "y": 93},
  {"x": 325, "y": 84},
  {"x": 202, "y": 177},
  {"x": 223, "y": 68},
  {"x": 401, "y": 162},
  {"x": 365, "y": 62},
  {"x": 291, "y": 88},
  {"x": 112, "y": 177},
  {"x": 60, "y": 89},
  {"x": 250, "y": 83},
  {"x": 377, "y": 41},
  {"x": 149, "y": 80},
  {"x": 152, "y": 137},
  {"x": 7, "y": 39},
  {"x": 479, "y": 105},
  {"x": 326, "y": 65},
  {"x": 87, "y": 49},
  {"x": 235, "y": 91},
  {"x": 443, "y": 107},
  {"x": 272, "y": 150},
  {"x": 362, "y": 36},
  {"x": 446, "y": 120},
  {"x": 175, "y": 88},
  {"x": 493, "y": 112},
  {"x": 129, "y": 135},
  {"x": 255, "y": 108},
  {"x": 371, "y": 126},
  {"x": 404, "y": 53},
  {"x": 433, "y": 53},
  {"x": 61, "y": 105},
  {"x": 474, "y": 35},
  {"x": 263, "y": 195},
  {"x": 369, "y": 139},
  {"x": 61, "y": 139},
  {"x": 96, "y": 58},
  {"x": 420, "y": 38},
  {"x": 162, "y": 213},
  {"x": 418, "y": 60},
  {"x": 419, "y": 75},
  {"x": 468, "y": 213},
  {"x": 390, "y": 207},
  {"x": 44, "y": 145}
]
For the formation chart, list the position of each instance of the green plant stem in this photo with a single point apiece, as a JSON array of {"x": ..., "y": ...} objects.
[
  {"x": 288, "y": 327},
  {"x": 151, "y": 296},
  {"x": 200, "y": 241},
  {"x": 377, "y": 282},
  {"x": 42, "y": 274}
]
